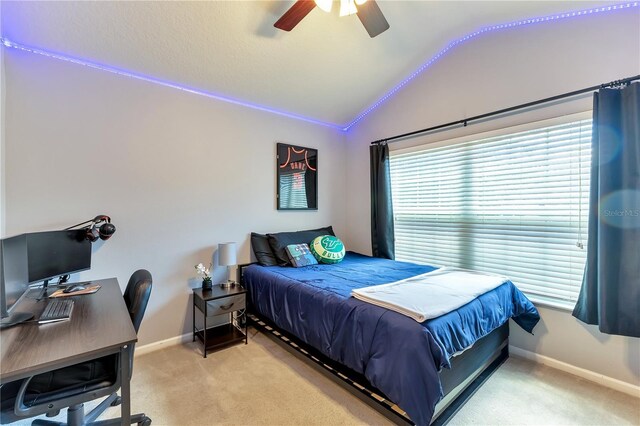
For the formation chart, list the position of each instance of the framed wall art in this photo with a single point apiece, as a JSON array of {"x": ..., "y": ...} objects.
[{"x": 297, "y": 171}]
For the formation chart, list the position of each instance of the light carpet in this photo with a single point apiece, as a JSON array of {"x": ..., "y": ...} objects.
[{"x": 263, "y": 384}]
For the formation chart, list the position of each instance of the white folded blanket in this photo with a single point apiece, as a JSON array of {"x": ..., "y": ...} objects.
[{"x": 432, "y": 294}]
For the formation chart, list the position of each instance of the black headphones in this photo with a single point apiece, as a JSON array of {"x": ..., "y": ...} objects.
[
  {"x": 98, "y": 227},
  {"x": 101, "y": 227}
]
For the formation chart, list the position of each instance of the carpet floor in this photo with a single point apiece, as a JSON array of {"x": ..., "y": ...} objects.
[{"x": 263, "y": 384}]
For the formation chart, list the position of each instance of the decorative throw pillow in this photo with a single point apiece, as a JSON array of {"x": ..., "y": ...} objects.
[
  {"x": 262, "y": 250},
  {"x": 327, "y": 249},
  {"x": 300, "y": 255},
  {"x": 281, "y": 240}
]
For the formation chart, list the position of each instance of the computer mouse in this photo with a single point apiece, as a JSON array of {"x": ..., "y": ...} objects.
[{"x": 74, "y": 288}]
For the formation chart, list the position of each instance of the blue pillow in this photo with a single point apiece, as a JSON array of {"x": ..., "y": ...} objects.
[{"x": 300, "y": 255}]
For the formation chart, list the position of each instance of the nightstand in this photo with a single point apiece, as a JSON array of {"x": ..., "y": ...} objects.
[{"x": 215, "y": 302}]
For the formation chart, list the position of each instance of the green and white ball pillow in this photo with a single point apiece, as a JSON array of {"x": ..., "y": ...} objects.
[{"x": 327, "y": 249}]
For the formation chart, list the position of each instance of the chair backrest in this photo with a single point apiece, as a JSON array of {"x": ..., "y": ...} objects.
[{"x": 136, "y": 295}]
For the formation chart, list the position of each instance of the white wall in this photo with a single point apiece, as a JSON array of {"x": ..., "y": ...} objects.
[
  {"x": 177, "y": 173},
  {"x": 493, "y": 72}
]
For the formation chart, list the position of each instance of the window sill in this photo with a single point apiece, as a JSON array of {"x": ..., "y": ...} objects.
[{"x": 554, "y": 304}]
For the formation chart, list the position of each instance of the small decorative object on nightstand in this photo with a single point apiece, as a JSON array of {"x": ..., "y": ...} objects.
[
  {"x": 227, "y": 257},
  {"x": 206, "y": 275},
  {"x": 215, "y": 302}
]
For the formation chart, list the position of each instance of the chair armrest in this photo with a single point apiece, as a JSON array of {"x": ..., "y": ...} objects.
[
  {"x": 19, "y": 408},
  {"x": 65, "y": 396}
]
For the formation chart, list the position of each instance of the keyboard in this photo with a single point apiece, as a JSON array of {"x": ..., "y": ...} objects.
[{"x": 56, "y": 310}]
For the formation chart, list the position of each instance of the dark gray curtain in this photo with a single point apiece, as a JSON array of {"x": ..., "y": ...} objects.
[
  {"x": 382, "y": 241},
  {"x": 610, "y": 294}
]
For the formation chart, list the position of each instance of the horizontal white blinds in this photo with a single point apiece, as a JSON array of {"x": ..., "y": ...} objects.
[{"x": 515, "y": 205}]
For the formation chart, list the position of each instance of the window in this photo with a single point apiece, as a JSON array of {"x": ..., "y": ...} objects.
[{"x": 515, "y": 204}]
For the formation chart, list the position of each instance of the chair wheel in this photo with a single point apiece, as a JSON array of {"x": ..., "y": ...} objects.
[
  {"x": 116, "y": 401},
  {"x": 146, "y": 421}
]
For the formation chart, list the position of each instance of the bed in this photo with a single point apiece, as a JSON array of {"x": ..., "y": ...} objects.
[{"x": 398, "y": 356}]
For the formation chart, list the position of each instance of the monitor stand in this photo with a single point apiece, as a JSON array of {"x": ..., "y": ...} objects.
[
  {"x": 15, "y": 319},
  {"x": 43, "y": 292}
]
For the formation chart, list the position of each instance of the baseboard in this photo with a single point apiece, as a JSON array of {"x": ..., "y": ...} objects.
[
  {"x": 162, "y": 344},
  {"x": 601, "y": 379}
]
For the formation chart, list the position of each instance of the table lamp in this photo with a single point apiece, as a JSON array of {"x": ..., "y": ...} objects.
[{"x": 227, "y": 257}]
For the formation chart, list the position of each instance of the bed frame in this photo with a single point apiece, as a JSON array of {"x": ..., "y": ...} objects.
[{"x": 468, "y": 372}]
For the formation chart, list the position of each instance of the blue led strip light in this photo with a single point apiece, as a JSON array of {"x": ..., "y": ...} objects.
[
  {"x": 483, "y": 31},
  {"x": 344, "y": 128},
  {"x": 130, "y": 74}
]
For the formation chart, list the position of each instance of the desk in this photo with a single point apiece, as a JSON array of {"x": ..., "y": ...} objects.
[{"x": 100, "y": 325}]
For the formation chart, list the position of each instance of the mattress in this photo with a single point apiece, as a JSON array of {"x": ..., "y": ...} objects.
[{"x": 398, "y": 355}]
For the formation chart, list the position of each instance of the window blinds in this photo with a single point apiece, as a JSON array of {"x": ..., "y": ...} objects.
[{"x": 515, "y": 205}]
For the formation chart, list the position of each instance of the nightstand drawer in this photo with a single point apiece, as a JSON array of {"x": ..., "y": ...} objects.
[{"x": 223, "y": 306}]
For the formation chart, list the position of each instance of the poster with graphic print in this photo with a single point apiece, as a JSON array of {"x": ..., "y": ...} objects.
[{"x": 297, "y": 177}]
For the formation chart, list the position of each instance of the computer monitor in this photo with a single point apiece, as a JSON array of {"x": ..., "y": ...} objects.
[
  {"x": 35, "y": 257},
  {"x": 55, "y": 253},
  {"x": 14, "y": 282}
]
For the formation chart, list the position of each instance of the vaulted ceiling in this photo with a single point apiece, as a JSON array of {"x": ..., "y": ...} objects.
[{"x": 327, "y": 68}]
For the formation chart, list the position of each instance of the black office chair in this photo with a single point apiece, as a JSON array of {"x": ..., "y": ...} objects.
[{"x": 74, "y": 385}]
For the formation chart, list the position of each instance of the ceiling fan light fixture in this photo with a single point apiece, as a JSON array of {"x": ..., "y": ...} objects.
[
  {"x": 325, "y": 4},
  {"x": 348, "y": 7}
]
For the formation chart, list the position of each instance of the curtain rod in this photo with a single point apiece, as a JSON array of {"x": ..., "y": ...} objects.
[{"x": 466, "y": 121}]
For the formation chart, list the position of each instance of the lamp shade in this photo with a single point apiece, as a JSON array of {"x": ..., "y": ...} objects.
[{"x": 226, "y": 254}]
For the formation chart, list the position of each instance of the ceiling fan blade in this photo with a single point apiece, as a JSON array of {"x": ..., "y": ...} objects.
[
  {"x": 295, "y": 14},
  {"x": 372, "y": 18}
]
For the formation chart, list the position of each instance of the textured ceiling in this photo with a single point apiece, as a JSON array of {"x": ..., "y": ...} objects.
[{"x": 327, "y": 68}]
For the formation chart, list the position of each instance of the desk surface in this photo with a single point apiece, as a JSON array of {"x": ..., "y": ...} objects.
[{"x": 100, "y": 324}]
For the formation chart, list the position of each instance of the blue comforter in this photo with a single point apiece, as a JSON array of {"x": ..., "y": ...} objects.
[{"x": 395, "y": 353}]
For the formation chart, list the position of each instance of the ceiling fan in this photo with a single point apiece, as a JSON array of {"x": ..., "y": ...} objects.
[{"x": 367, "y": 10}]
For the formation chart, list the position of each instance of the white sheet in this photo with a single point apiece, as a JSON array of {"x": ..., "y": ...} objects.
[{"x": 432, "y": 294}]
